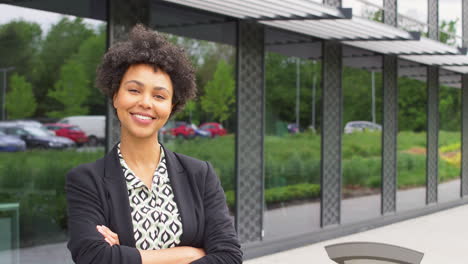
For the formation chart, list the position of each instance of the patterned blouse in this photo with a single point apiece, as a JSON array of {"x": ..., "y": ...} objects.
[{"x": 156, "y": 220}]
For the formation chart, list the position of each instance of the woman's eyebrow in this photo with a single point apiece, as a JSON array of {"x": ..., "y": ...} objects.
[
  {"x": 159, "y": 88},
  {"x": 135, "y": 81}
]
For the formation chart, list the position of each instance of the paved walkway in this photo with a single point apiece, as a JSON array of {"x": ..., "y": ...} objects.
[{"x": 441, "y": 236}]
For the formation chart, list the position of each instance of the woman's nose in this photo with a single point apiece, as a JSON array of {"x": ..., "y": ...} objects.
[{"x": 145, "y": 100}]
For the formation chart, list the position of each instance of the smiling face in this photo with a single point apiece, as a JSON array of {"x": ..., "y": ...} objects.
[{"x": 143, "y": 101}]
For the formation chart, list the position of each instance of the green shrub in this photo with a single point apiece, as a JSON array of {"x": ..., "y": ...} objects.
[
  {"x": 283, "y": 194},
  {"x": 36, "y": 180}
]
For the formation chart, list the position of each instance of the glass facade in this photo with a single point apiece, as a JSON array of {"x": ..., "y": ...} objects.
[
  {"x": 47, "y": 72},
  {"x": 412, "y": 140},
  {"x": 361, "y": 144},
  {"x": 292, "y": 145},
  {"x": 449, "y": 143}
]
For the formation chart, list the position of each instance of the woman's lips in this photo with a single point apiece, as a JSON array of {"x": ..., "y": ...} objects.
[{"x": 143, "y": 120}]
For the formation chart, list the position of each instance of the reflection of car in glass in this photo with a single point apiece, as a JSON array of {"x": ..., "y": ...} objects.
[
  {"x": 215, "y": 129},
  {"x": 293, "y": 128},
  {"x": 360, "y": 126},
  {"x": 200, "y": 132},
  {"x": 11, "y": 143},
  {"x": 69, "y": 131},
  {"x": 183, "y": 130},
  {"x": 36, "y": 137},
  {"x": 93, "y": 126}
]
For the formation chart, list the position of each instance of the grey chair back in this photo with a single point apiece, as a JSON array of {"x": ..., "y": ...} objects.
[{"x": 372, "y": 253}]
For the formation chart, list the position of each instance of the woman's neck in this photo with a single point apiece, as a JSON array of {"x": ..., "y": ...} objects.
[{"x": 140, "y": 152}]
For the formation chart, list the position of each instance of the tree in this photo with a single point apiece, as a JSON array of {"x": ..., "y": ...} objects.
[
  {"x": 219, "y": 94},
  {"x": 71, "y": 91},
  {"x": 62, "y": 41},
  {"x": 20, "y": 101},
  {"x": 89, "y": 56},
  {"x": 19, "y": 45},
  {"x": 447, "y": 32}
]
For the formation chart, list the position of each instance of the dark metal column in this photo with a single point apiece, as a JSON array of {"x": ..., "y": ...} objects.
[
  {"x": 122, "y": 16},
  {"x": 432, "y": 168},
  {"x": 332, "y": 106},
  {"x": 464, "y": 134},
  {"x": 332, "y": 127},
  {"x": 390, "y": 119},
  {"x": 250, "y": 131}
]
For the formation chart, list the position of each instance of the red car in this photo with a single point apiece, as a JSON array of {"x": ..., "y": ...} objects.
[
  {"x": 69, "y": 131},
  {"x": 182, "y": 129},
  {"x": 215, "y": 129}
]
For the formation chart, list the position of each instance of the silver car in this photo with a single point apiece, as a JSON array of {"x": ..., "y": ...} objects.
[{"x": 360, "y": 126}]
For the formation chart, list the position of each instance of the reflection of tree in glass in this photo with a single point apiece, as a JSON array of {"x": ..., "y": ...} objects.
[
  {"x": 218, "y": 99},
  {"x": 20, "y": 101}
]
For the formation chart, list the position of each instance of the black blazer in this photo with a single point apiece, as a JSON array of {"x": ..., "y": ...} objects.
[{"x": 97, "y": 195}]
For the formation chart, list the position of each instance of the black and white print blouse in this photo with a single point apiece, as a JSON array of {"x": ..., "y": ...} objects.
[{"x": 156, "y": 220}]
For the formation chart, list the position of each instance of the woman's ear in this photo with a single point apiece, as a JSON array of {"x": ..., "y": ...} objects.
[{"x": 113, "y": 99}]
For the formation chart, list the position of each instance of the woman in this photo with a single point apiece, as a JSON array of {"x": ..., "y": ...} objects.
[{"x": 142, "y": 203}]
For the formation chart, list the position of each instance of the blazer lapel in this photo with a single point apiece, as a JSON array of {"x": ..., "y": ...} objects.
[
  {"x": 183, "y": 197},
  {"x": 120, "y": 217}
]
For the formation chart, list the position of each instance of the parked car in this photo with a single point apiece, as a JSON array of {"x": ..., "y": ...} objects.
[
  {"x": 200, "y": 132},
  {"x": 69, "y": 131},
  {"x": 360, "y": 126},
  {"x": 36, "y": 137},
  {"x": 215, "y": 129},
  {"x": 182, "y": 130},
  {"x": 11, "y": 143},
  {"x": 293, "y": 128},
  {"x": 93, "y": 126}
]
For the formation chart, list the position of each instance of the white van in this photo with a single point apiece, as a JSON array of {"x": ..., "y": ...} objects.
[{"x": 93, "y": 126}]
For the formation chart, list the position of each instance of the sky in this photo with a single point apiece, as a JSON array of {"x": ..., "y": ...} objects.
[{"x": 448, "y": 10}]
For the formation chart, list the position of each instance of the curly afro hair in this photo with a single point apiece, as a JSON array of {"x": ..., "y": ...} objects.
[{"x": 145, "y": 46}]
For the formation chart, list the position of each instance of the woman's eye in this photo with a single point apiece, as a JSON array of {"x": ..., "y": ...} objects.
[
  {"x": 159, "y": 97},
  {"x": 133, "y": 90}
]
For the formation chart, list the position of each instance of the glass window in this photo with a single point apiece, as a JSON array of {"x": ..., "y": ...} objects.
[
  {"x": 449, "y": 142},
  {"x": 411, "y": 141},
  {"x": 361, "y": 145},
  {"x": 292, "y": 145},
  {"x": 43, "y": 51}
]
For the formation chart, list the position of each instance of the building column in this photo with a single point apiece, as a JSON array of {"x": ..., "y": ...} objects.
[
  {"x": 432, "y": 168},
  {"x": 464, "y": 105},
  {"x": 250, "y": 131},
  {"x": 122, "y": 15},
  {"x": 332, "y": 128},
  {"x": 390, "y": 119}
]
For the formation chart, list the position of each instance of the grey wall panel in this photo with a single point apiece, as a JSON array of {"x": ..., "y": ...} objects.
[
  {"x": 390, "y": 118},
  {"x": 464, "y": 19},
  {"x": 432, "y": 168},
  {"x": 332, "y": 3},
  {"x": 389, "y": 134},
  {"x": 464, "y": 87},
  {"x": 249, "y": 136},
  {"x": 464, "y": 134},
  {"x": 390, "y": 12},
  {"x": 123, "y": 15},
  {"x": 433, "y": 18},
  {"x": 331, "y": 133}
]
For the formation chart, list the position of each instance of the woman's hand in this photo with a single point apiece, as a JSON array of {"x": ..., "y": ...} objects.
[{"x": 109, "y": 236}]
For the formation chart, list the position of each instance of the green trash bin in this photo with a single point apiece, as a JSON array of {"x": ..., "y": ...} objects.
[{"x": 9, "y": 230}]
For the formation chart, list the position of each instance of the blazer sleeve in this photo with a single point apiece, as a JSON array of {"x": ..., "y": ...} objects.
[
  {"x": 220, "y": 239},
  {"x": 85, "y": 212}
]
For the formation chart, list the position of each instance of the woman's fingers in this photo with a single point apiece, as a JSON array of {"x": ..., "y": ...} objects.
[{"x": 109, "y": 236}]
